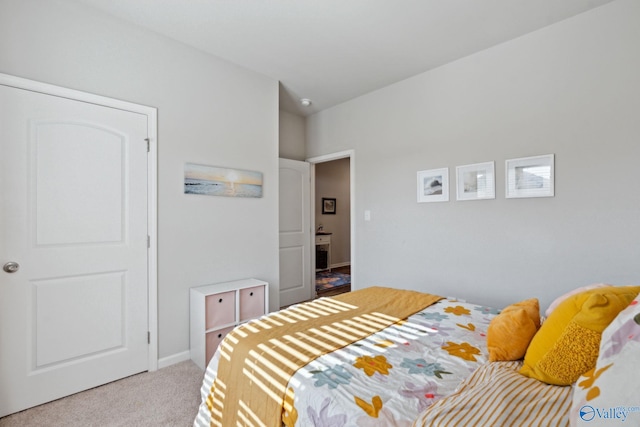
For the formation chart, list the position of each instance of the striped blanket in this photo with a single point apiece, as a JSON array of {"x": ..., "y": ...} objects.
[{"x": 497, "y": 395}]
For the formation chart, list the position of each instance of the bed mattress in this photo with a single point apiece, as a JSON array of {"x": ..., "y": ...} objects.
[{"x": 388, "y": 378}]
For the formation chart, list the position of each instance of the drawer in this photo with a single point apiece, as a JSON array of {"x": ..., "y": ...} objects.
[
  {"x": 323, "y": 240},
  {"x": 214, "y": 338},
  {"x": 251, "y": 303},
  {"x": 220, "y": 309}
]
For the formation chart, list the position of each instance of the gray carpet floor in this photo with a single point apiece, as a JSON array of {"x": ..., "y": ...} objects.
[{"x": 166, "y": 397}]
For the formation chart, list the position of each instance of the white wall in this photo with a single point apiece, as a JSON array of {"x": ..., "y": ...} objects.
[
  {"x": 204, "y": 108},
  {"x": 292, "y": 136},
  {"x": 332, "y": 181},
  {"x": 571, "y": 89}
]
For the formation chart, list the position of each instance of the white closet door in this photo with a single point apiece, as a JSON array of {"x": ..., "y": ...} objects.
[{"x": 73, "y": 221}]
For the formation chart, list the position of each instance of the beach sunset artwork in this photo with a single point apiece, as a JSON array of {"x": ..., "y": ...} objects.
[{"x": 215, "y": 181}]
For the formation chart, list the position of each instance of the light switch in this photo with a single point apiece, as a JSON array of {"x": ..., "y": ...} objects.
[{"x": 367, "y": 215}]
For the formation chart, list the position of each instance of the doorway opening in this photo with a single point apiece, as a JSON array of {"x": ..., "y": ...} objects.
[{"x": 333, "y": 222}]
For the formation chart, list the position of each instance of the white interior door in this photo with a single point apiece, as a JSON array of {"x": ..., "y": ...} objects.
[
  {"x": 296, "y": 278},
  {"x": 73, "y": 219}
]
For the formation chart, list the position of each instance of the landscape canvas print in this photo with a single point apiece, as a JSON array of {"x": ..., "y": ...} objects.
[{"x": 216, "y": 181}]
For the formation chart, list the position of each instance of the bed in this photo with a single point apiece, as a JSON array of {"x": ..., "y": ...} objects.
[{"x": 388, "y": 357}]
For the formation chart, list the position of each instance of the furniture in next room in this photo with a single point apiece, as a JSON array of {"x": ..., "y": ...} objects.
[
  {"x": 323, "y": 251},
  {"x": 218, "y": 308}
]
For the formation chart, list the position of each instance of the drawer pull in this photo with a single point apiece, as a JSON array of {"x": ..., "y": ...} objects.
[
  {"x": 251, "y": 294},
  {"x": 219, "y": 335},
  {"x": 220, "y": 300}
]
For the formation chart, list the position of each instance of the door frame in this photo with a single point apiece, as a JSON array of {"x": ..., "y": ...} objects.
[
  {"x": 152, "y": 185},
  {"x": 351, "y": 155}
]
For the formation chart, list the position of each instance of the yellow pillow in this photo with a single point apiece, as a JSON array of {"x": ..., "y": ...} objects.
[
  {"x": 567, "y": 344},
  {"x": 531, "y": 306},
  {"x": 511, "y": 331}
]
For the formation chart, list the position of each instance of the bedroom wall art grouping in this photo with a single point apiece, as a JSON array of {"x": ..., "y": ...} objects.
[{"x": 524, "y": 177}]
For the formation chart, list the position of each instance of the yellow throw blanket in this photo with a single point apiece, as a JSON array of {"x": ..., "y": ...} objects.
[{"x": 258, "y": 358}]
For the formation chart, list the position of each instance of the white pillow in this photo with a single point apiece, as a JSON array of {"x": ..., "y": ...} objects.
[{"x": 609, "y": 392}]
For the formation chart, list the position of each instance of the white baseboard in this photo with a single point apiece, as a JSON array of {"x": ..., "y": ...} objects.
[
  {"x": 173, "y": 359},
  {"x": 340, "y": 264}
]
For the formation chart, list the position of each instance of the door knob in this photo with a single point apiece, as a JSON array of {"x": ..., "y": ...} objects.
[{"x": 11, "y": 267}]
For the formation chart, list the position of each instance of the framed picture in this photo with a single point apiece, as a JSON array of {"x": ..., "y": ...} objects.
[
  {"x": 433, "y": 185},
  {"x": 328, "y": 206},
  {"x": 475, "y": 182},
  {"x": 530, "y": 177},
  {"x": 216, "y": 181}
]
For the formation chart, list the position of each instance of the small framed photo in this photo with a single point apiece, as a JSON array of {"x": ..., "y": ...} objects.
[
  {"x": 475, "y": 182},
  {"x": 433, "y": 185},
  {"x": 328, "y": 206},
  {"x": 530, "y": 177}
]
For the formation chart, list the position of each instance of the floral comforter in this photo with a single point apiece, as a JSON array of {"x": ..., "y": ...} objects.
[{"x": 390, "y": 377}]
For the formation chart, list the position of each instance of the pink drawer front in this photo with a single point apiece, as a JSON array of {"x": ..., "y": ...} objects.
[
  {"x": 221, "y": 309},
  {"x": 214, "y": 338},
  {"x": 251, "y": 303}
]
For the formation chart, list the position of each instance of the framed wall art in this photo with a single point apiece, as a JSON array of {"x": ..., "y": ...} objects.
[
  {"x": 328, "y": 206},
  {"x": 216, "y": 181},
  {"x": 433, "y": 185},
  {"x": 530, "y": 177},
  {"x": 476, "y": 181}
]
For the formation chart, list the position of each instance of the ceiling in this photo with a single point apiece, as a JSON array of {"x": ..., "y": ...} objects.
[{"x": 330, "y": 51}]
